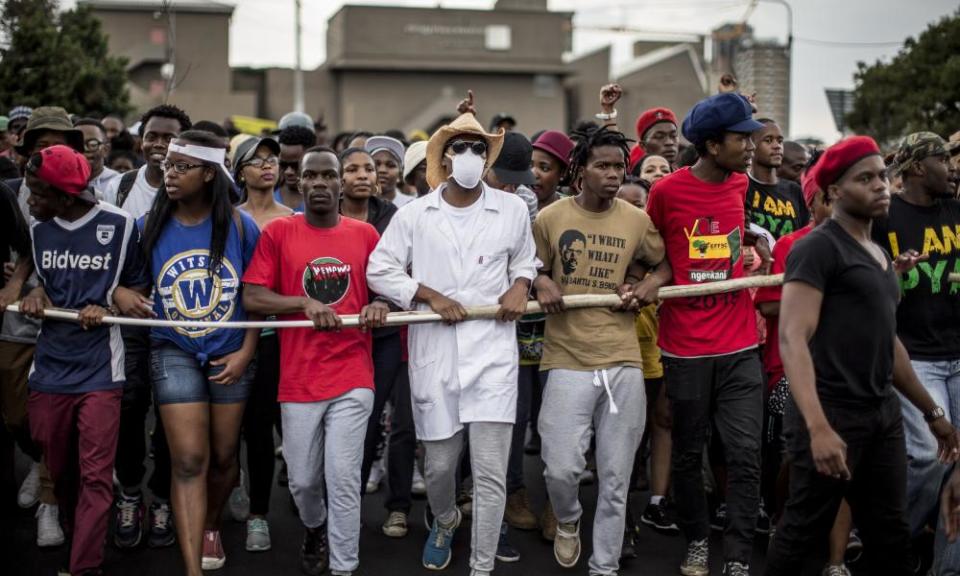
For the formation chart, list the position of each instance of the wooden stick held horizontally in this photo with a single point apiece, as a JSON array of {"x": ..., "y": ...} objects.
[{"x": 424, "y": 316}]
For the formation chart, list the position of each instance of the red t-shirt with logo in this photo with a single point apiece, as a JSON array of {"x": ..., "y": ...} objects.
[
  {"x": 772, "y": 364},
  {"x": 294, "y": 258},
  {"x": 702, "y": 226}
]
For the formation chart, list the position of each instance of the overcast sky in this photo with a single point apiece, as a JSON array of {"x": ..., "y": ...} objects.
[{"x": 830, "y": 35}]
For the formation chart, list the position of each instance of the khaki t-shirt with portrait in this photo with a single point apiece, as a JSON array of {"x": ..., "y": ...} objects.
[{"x": 589, "y": 253}]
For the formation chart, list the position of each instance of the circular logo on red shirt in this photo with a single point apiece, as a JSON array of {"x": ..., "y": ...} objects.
[{"x": 326, "y": 280}]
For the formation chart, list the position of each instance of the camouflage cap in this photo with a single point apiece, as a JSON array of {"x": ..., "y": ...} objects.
[
  {"x": 915, "y": 148},
  {"x": 953, "y": 145}
]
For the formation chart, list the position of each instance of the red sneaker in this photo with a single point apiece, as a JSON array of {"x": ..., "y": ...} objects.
[{"x": 213, "y": 557}]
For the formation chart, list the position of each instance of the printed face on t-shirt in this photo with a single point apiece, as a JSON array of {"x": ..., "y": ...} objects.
[{"x": 572, "y": 245}]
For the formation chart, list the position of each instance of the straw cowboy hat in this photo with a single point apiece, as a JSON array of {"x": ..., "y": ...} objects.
[{"x": 463, "y": 124}]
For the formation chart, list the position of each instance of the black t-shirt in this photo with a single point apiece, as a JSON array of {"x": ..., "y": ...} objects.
[
  {"x": 852, "y": 348},
  {"x": 778, "y": 208},
  {"x": 928, "y": 319}
]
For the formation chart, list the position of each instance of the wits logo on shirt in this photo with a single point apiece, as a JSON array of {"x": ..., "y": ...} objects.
[
  {"x": 187, "y": 290},
  {"x": 67, "y": 260}
]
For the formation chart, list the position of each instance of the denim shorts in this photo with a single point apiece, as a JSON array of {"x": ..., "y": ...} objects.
[{"x": 179, "y": 378}]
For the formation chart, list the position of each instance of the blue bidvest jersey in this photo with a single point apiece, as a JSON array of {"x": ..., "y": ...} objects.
[
  {"x": 185, "y": 290},
  {"x": 81, "y": 263}
]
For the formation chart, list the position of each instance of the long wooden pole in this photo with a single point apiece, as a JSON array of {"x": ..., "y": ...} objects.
[{"x": 424, "y": 316}]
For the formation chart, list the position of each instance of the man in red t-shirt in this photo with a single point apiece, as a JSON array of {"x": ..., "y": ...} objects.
[
  {"x": 711, "y": 366},
  {"x": 313, "y": 265}
]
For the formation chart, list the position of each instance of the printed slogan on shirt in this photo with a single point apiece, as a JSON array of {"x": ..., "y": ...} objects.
[{"x": 590, "y": 260}]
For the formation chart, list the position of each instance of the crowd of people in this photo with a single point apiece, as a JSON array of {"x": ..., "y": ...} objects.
[{"x": 821, "y": 412}]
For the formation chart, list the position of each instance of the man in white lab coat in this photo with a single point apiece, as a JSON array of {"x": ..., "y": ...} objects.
[{"x": 466, "y": 244}]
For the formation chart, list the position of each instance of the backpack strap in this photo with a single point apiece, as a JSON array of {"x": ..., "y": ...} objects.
[{"x": 126, "y": 184}]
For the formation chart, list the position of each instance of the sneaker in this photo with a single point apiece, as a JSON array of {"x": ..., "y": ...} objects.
[
  {"x": 129, "y": 524},
  {"x": 239, "y": 502},
  {"x": 505, "y": 551},
  {"x": 517, "y": 512},
  {"x": 258, "y": 535},
  {"x": 835, "y": 570},
  {"x": 854, "y": 548},
  {"x": 532, "y": 447},
  {"x": 213, "y": 556},
  {"x": 763, "y": 521},
  {"x": 718, "y": 521},
  {"x": 314, "y": 554},
  {"x": 548, "y": 523},
  {"x": 396, "y": 525},
  {"x": 29, "y": 493},
  {"x": 736, "y": 569},
  {"x": 628, "y": 550},
  {"x": 695, "y": 561},
  {"x": 419, "y": 486},
  {"x": 655, "y": 516},
  {"x": 49, "y": 532},
  {"x": 377, "y": 473},
  {"x": 436, "y": 551},
  {"x": 566, "y": 546},
  {"x": 162, "y": 533},
  {"x": 465, "y": 501}
]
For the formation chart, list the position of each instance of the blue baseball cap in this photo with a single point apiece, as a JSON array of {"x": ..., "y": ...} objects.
[{"x": 719, "y": 113}]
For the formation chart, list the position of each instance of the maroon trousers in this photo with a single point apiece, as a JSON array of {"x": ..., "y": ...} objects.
[{"x": 78, "y": 436}]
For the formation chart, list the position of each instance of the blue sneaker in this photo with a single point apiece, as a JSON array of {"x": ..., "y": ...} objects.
[
  {"x": 436, "y": 551},
  {"x": 505, "y": 551}
]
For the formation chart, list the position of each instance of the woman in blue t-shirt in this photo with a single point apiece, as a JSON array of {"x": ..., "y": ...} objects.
[{"x": 197, "y": 247}]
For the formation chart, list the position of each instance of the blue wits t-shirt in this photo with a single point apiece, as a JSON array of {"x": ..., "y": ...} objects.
[
  {"x": 183, "y": 288},
  {"x": 81, "y": 263}
]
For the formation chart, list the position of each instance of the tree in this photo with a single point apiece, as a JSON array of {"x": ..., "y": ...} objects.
[
  {"x": 918, "y": 90},
  {"x": 59, "y": 59}
]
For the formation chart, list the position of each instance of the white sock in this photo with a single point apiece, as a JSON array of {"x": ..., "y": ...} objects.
[{"x": 656, "y": 500}]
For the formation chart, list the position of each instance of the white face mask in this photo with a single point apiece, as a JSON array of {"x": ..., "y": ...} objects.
[{"x": 468, "y": 169}]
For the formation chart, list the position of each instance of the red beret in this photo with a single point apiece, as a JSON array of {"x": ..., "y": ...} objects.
[
  {"x": 841, "y": 156},
  {"x": 636, "y": 156},
  {"x": 809, "y": 183},
  {"x": 651, "y": 117}
]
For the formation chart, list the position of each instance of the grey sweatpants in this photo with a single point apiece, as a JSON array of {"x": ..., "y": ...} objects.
[
  {"x": 489, "y": 453},
  {"x": 576, "y": 406},
  {"x": 323, "y": 448}
]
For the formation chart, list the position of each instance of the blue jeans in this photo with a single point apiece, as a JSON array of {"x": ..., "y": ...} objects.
[
  {"x": 925, "y": 474},
  {"x": 179, "y": 378}
]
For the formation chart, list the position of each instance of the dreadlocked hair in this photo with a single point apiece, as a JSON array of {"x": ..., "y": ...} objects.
[
  {"x": 218, "y": 193},
  {"x": 591, "y": 138}
]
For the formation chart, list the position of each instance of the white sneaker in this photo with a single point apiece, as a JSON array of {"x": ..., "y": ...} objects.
[
  {"x": 419, "y": 486},
  {"x": 49, "y": 532},
  {"x": 376, "y": 475},
  {"x": 239, "y": 502},
  {"x": 30, "y": 488}
]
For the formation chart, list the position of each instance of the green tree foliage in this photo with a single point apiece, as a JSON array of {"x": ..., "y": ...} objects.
[
  {"x": 918, "y": 90},
  {"x": 58, "y": 59}
]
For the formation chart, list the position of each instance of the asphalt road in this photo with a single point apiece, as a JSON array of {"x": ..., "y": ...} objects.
[{"x": 379, "y": 555}]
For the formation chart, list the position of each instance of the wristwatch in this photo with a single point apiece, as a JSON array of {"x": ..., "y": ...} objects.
[
  {"x": 604, "y": 116},
  {"x": 934, "y": 414}
]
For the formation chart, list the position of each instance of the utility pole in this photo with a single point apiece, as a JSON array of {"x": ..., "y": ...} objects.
[{"x": 298, "y": 65}]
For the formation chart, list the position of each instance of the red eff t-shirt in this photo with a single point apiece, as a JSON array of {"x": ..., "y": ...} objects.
[
  {"x": 294, "y": 258},
  {"x": 772, "y": 364},
  {"x": 702, "y": 226}
]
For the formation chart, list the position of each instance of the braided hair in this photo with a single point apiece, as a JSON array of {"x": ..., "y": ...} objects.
[{"x": 591, "y": 138}]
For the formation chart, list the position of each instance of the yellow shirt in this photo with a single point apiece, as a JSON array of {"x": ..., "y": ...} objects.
[{"x": 647, "y": 327}]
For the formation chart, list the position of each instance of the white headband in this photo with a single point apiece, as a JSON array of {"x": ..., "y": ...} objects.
[{"x": 217, "y": 156}]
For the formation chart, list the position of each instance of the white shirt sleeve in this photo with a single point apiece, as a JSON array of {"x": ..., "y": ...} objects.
[
  {"x": 387, "y": 267},
  {"x": 523, "y": 254}
]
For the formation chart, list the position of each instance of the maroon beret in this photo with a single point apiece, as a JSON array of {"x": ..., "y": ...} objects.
[{"x": 841, "y": 156}]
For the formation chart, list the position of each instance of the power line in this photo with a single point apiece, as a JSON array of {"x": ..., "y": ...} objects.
[{"x": 849, "y": 43}]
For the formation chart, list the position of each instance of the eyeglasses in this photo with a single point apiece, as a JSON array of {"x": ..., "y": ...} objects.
[
  {"x": 258, "y": 162},
  {"x": 179, "y": 167},
  {"x": 479, "y": 147},
  {"x": 92, "y": 145}
]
